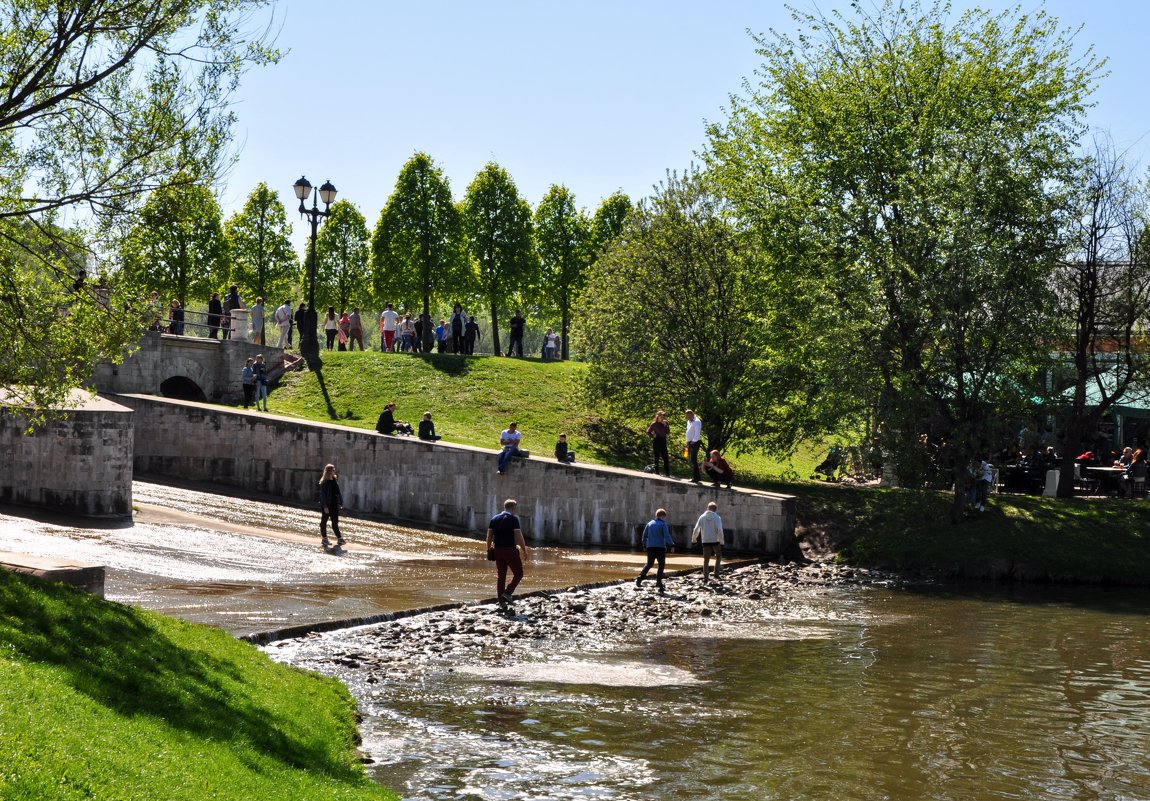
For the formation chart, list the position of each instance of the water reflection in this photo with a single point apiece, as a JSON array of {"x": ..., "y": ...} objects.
[{"x": 846, "y": 694}]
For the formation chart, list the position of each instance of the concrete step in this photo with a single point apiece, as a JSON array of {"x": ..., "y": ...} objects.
[{"x": 87, "y": 577}]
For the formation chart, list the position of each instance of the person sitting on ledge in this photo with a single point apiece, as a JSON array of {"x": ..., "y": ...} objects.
[
  {"x": 562, "y": 452},
  {"x": 717, "y": 468},
  {"x": 387, "y": 423},
  {"x": 427, "y": 429}
]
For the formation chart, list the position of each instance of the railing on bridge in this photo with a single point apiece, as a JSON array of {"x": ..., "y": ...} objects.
[{"x": 235, "y": 325}]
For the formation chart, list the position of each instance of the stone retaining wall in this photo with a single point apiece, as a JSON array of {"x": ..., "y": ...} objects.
[
  {"x": 78, "y": 464},
  {"x": 439, "y": 484}
]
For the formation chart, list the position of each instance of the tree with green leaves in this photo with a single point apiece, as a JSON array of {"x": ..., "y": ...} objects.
[
  {"x": 178, "y": 247},
  {"x": 343, "y": 258},
  {"x": 668, "y": 317},
  {"x": 497, "y": 222},
  {"x": 263, "y": 261},
  {"x": 563, "y": 239},
  {"x": 418, "y": 247},
  {"x": 907, "y": 174},
  {"x": 1103, "y": 291},
  {"x": 102, "y": 104},
  {"x": 610, "y": 220},
  {"x": 49, "y": 296}
]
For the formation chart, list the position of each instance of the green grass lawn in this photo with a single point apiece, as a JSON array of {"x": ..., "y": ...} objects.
[
  {"x": 99, "y": 700},
  {"x": 472, "y": 399}
]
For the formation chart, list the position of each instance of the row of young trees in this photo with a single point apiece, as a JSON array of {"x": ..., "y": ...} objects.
[
  {"x": 898, "y": 228},
  {"x": 426, "y": 250}
]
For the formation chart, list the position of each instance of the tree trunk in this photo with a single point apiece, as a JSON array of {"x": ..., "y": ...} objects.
[{"x": 494, "y": 326}]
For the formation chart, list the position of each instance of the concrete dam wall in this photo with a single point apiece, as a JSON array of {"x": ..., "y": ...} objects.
[{"x": 454, "y": 486}]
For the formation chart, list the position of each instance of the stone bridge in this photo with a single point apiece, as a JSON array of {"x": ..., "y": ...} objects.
[{"x": 189, "y": 367}]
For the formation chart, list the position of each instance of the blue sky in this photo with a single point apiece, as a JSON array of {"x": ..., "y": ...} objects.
[{"x": 599, "y": 96}]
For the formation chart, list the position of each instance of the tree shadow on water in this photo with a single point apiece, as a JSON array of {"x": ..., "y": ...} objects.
[{"x": 111, "y": 654}]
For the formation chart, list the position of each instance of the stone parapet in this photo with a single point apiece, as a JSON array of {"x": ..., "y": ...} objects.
[
  {"x": 78, "y": 463},
  {"x": 454, "y": 486}
]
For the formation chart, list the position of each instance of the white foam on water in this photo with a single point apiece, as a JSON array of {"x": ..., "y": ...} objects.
[{"x": 579, "y": 671}]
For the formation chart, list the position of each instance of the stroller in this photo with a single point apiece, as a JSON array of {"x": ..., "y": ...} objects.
[{"x": 831, "y": 468}]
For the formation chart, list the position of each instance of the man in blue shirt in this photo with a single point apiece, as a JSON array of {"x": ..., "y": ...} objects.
[
  {"x": 505, "y": 542},
  {"x": 657, "y": 540}
]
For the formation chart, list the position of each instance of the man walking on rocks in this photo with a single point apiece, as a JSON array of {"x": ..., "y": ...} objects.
[
  {"x": 657, "y": 540},
  {"x": 709, "y": 530},
  {"x": 505, "y": 538}
]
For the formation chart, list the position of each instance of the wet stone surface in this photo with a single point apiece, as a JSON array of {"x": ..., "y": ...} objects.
[{"x": 573, "y": 619}]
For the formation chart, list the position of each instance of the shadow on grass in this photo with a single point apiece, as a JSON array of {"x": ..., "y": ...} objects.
[
  {"x": 111, "y": 654},
  {"x": 332, "y": 412},
  {"x": 452, "y": 364}
]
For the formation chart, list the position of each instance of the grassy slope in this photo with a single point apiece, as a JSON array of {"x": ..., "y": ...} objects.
[
  {"x": 472, "y": 400},
  {"x": 99, "y": 700}
]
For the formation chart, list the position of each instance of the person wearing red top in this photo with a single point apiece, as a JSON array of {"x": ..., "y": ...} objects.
[{"x": 717, "y": 468}]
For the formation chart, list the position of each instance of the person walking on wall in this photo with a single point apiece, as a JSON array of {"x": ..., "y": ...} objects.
[
  {"x": 260, "y": 369},
  {"x": 330, "y": 502},
  {"x": 258, "y": 322},
  {"x": 658, "y": 541},
  {"x": 709, "y": 531},
  {"x": 694, "y": 441},
  {"x": 505, "y": 542},
  {"x": 248, "y": 381},
  {"x": 658, "y": 431},
  {"x": 232, "y": 302}
]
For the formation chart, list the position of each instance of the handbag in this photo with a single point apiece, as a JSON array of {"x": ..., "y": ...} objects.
[{"x": 490, "y": 554}]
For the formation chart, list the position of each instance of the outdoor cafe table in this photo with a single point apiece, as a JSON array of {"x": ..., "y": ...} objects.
[{"x": 1108, "y": 477}]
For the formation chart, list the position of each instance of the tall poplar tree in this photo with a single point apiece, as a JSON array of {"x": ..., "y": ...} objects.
[
  {"x": 499, "y": 237},
  {"x": 563, "y": 239},
  {"x": 343, "y": 259},
  {"x": 908, "y": 173},
  {"x": 418, "y": 247},
  {"x": 178, "y": 247},
  {"x": 264, "y": 263}
]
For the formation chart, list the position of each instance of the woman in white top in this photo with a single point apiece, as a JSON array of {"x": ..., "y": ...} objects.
[{"x": 330, "y": 326}]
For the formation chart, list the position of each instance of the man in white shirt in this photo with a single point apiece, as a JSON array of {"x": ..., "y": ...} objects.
[
  {"x": 388, "y": 322},
  {"x": 509, "y": 439},
  {"x": 694, "y": 440},
  {"x": 283, "y": 320},
  {"x": 709, "y": 530}
]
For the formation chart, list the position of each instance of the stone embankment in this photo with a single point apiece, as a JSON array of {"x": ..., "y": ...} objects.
[{"x": 575, "y": 618}]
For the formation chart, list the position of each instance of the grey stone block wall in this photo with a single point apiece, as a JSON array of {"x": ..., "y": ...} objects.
[
  {"x": 439, "y": 484},
  {"x": 79, "y": 464}
]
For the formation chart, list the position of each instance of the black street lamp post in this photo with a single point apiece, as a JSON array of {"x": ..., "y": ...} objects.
[{"x": 309, "y": 335}]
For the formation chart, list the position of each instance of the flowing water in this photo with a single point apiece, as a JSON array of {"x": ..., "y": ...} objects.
[{"x": 839, "y": 693}]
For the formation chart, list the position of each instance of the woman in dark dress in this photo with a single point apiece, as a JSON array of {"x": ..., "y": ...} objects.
[{"x": 330, "y": 501}]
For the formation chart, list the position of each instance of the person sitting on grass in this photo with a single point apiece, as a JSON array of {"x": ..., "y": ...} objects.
[
  {"x": 717, "y": 468},
  {"x": 427, "y": 429},
  {"x": 387, "y": 424}
]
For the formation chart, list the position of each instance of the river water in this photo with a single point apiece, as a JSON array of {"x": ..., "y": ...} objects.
[
  {"x": 822, "y": 693},
  {"x": 799, "y": 689}
]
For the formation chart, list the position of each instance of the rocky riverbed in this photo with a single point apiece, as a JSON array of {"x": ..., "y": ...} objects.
[{"x": 586, "y": 619}]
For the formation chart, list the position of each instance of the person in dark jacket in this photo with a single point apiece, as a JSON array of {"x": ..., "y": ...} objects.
[
  {"x": 330, "y": 502},
  {"x": 562, "y": 452},
  {"x": 427, "y": 429},
  {"x": 387, "y": 424},
  {"x": 215, "y": 311}
]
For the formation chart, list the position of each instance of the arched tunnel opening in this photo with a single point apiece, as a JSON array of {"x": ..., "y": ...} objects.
[{"x": 181, "y": 387}]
